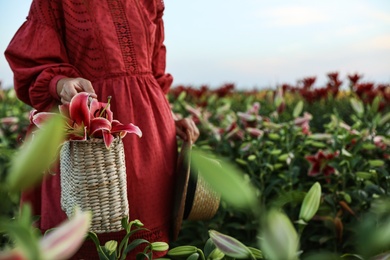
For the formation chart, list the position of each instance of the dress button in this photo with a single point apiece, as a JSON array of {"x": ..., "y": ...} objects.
[
  {"x": 114, "y": 3},
  {"x": 132, "y": 68},
  {"x": 124, "y": 39},
  {"x": 123, "y": 30},
  {"x": 129, "y": 59},
  {"x": 127, "y": 49}
]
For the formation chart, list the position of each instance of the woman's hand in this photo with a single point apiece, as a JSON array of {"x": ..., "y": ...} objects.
[
  {"x": 69, "y": 87},
  {"x": 186, "y": 126}
]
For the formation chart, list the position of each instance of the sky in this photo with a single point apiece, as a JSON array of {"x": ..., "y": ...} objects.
[{"x": 258, "y": 43}]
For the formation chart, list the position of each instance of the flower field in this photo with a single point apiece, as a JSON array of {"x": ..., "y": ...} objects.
[
  {"x": 287, "y": 143},
  {"x": 286, "y": 139}
]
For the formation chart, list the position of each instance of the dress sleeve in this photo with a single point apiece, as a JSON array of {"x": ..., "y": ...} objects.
[
  {"x": 159, "y": 55},
  {"x": 38, "y": 59}
]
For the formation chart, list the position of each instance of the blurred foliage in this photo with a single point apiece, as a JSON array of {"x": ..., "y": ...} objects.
[
  {"x": 339, "y": 138},
  {"x": 13, "y": 126}
]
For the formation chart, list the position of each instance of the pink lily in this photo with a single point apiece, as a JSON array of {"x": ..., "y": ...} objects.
[
  {"x": 60, "y": 243},
  {"x": 100, "y": 109},
  {"x": 319, "y": 163},
  {"x": 64, "y": 241},
  {"x": 303, "y": 122},
  {"x": 88, "y": 118},
  {"x": 79, "y": 111}
]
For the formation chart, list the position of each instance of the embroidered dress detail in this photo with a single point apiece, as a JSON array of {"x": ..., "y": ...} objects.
[{"x": 124, "y": 35}]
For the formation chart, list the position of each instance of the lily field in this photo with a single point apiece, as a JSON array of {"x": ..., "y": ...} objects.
[{"x": 305, "y": 169}]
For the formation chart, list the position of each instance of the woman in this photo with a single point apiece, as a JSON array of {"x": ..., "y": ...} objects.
[{"x": 106, "y": 48}]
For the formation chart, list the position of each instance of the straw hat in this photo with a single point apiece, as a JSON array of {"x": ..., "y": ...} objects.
[{"x": 194, "y": 199}]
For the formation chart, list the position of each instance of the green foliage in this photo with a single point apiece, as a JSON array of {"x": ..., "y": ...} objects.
[
  {"x": 111, "y": 251},
  {"x": 341, "y": 142}
]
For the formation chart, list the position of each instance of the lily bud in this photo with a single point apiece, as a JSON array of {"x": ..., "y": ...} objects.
[
  {"x": 111, "y": 246},
  {"x": 182, "y": 251},
  {"x": 229, "y": 245},
  {"x": 159, "y": 246},
  {"x": 216, "y": 254},
  {"x": 279, "y": 239},
  {"x": 310, "y": 203}
]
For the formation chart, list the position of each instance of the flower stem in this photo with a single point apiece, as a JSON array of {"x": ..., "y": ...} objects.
[{"x": 107, "y": 105}]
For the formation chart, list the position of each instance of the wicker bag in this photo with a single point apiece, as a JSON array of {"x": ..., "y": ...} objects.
[{"x": 94, "y": 178}]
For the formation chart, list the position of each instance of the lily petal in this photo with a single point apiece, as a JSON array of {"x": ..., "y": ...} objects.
[
  {"x": 108, "y": 139},
  {"x": 64, "y": 241},
  {"x": 79, "y": 110},
  {"x": 99, "y": 124},
  {"x": 39, "y": 119},
  {"x": 118, "y": 127},
  {"x": 15, "y": 254},
  {"x": 64, "y": 110}
]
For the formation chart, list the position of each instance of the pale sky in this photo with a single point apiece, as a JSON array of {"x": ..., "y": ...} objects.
[{"x": 259, "y": 43}]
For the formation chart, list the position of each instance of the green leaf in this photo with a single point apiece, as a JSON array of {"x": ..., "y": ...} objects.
[
  {"x": 134, "y": 244},
  {"x": 23, "y": 238},
  {"x": 208, "y": 247},
  {"x": 36, "y": 155},
  {"x": 298, "y": 109},
  {"x": 22, "y": 232},
  {"x": 125, "y": 223},
  {"x": 384, "y": 119},
  {"x": 293, "y": 196},
  {"x": 102, "y": 255},
  {"x": 226, "y": 180},
  {"x": 142, "y": 256},
  {"x": 375, "y": 104}
]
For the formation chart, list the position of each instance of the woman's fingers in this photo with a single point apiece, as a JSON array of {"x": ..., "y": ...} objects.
[
  {"x": 67, "y": 88},
  {"x": 187, "y": 127}
]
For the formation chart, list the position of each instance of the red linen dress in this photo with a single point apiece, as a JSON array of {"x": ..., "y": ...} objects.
[{"x": 118, "y": 46}]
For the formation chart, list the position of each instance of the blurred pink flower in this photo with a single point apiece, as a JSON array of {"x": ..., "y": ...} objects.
[
  {"x": 319, "y": 163},
  {"x": 60, "y": 243},
  {"x": 303, "y": 122}
]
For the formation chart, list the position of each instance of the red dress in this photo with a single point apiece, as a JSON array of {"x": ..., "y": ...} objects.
[{"x": 118, "y": 46}]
